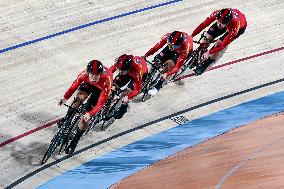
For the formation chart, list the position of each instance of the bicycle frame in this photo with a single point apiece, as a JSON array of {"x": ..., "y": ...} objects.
[
  {"x": 203, "y": 47},
  {"x": 70, "y": 124},
  {"x": 152, "y": 78},
  {"x": 61, "y": 138}
]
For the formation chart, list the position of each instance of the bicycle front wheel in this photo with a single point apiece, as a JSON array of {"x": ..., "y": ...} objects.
[
  {"x": 55, "y": 142},
  {"x": 95, "y": 120}
]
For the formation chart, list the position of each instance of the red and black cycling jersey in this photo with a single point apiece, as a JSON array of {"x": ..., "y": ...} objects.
[
  {"x": 104, "y": 84},
  {"x": 238, "y": 22},
  {"x": 138, "y": 69},
  {"x": 185, "y": 48}
]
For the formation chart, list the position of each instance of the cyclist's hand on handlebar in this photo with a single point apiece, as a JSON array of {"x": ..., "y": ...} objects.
[
  {"x": 61, "y": 101},
  {"x": 87, "y": 117}
]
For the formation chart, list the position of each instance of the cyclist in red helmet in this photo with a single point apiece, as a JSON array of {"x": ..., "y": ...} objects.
[
  {"x": 93, "y": 83},
  {"x": 178, "y": 48},
  {"x": 132, "y": 70},
  {"x": 230, "y": 23}
]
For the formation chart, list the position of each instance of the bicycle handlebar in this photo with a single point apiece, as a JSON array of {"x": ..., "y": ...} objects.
[{"x": 68, "y": 106}]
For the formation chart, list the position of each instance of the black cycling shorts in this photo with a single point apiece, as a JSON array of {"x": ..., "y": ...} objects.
[
  {"x": 122, "y": 80},
  {"x": 94, "y": 94},
  {"x": 167, "y": 54},
  {"x": 214, "y": 31}
]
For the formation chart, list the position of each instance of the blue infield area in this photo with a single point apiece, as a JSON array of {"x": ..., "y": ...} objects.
[{"x": 102, "y": 172}]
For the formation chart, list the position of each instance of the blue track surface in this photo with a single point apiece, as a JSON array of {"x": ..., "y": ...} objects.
[{"x": 108, "y": 169}]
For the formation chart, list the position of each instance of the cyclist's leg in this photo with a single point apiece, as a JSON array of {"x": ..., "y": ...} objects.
[
  {"x": 211, "y": 34},
  {"x": 90, "y": 104},
  {"x": 172, "y": 57},
  {"x": 219, "y": 55},
  {"x": 170, "y": 64},
  {"x": 214, "y": 32},
  {"x": 130, "y": 86},
  {"x": 207, "y": 37},
  {"x": 128, "y": 90},
  {"x": 163, "y": 56},
  {"x": 121, "y": 81},
  {"x": 171, "y": 61},
  {"x": 81, "y": 96},
  {"x": 206, "y": 64},
  {"x": 93, "y": 94},
  {"x": 124, "y": 106}
]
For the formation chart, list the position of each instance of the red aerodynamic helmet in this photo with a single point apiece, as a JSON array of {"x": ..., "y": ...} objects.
[{"x": 95, "y": 67}]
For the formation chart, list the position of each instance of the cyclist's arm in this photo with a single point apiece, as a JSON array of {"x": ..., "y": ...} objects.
[
  {"x": 181, "y": 58},
  {"x": 228, "y": 39},
  {"x": 103, "y": 96},
  {"x": 137, "y": 86},
  {"x": 74, "y": 86},
  {"x": 159, "y": 45},
  {"x": 112, "y": 69},
  {"x": 135, "y": 92},
  {"x": 101, "y": 101},
  {"x": 205, "y": 24},
  {"x": 178, "y": 65}
]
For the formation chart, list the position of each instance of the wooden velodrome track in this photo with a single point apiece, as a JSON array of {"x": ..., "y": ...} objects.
[{"x": 44, "y": 45}]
